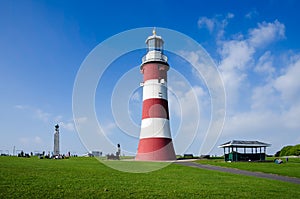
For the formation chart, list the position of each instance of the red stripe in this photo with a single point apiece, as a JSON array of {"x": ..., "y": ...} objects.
[
  {"x": 155, "y": 108},
  {"x": 155, "y": 149},
  {"x": 154, "y": 71}
]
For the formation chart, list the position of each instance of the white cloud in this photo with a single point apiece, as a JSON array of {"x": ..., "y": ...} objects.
[
  {"x": 251, "y": 14},
  {"x": 208, "y": 23},
  {"x": 291, "y": 117},
  {"x": 230, "y": 15},
  {"x": 264, "y": 97},
  {"x": 275, "y": 107},
  {"x": 36, "y": 112},
  {"x": 21, "y": 107},
  {"x": 42, "y": 115},
  {"x": 47, "y": 117},
  {"x": 265, "y": 64},
  {"x": 69, "y": 126},
  {"x": 236, "y": 57},
  {"x": 215, "y": 24},
  {"x": 188, "y": 112},
  {"x": 266, "y": 33},
  {"x": 288, "y": 84},
  {"x": 270, "y": 110},
  {"x": 251, "y": 125}
]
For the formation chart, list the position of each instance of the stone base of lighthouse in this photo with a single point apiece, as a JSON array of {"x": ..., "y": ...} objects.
[{"x": 155, "y": 149}]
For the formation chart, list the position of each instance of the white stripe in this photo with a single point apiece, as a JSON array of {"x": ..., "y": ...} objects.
[
  {"x": 155, "y": 81},
  {"x": 155, "y": 128},
  {"x": 155, "y": 90}
]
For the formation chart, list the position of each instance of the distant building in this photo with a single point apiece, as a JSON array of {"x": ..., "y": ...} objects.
[
  {"x": 238, "y": 150},
  {"x": 56, "y": 140},
  {"x": 96, "y": 153}
]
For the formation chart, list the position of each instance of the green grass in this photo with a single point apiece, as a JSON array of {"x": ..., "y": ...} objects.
[
  {"x": 290, "y": 168},
  {"x": 87, "y": 178}
]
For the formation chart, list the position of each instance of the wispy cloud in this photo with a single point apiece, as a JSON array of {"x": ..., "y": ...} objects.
[
  {"x": 35, "y": 112},
  {"x": 69, "y": 126},
  {"x": 208, "y": 23},
  {"x": 264, "y": 64},
  {"x": 262, "y": 89},
  {"x": 42, "y": 115},
  {"x": 21, "y": 107},
  {"x": 216, "y": 24},
  {"x": 47, "y": 117},
  {"x": 239, "y": 56},
  {"x": 251, "y": 14},
  {"x": 266, "y": 33},
  {"x": 288, "y": 83}
]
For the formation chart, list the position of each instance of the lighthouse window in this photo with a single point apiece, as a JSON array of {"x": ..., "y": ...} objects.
[
  {"x": 160, "y": 94},
  {"x": 151, "y": 45},
  {"x": 155, "y": 44},
  {"x": 158, "y": 45}
]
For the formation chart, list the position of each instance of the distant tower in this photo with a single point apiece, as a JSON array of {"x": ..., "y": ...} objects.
[
  {"x": 155, "y": 137},
  {"x": 56, "y": 140},
  {"x": 119, "y": 149}
]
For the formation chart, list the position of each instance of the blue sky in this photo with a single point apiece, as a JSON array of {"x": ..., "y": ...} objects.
[{"x": 255, "y": 45}]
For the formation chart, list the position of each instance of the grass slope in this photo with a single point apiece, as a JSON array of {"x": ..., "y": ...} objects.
[
  {"x": 87, "y": 178},
  {"x": 290, "y": 168}
]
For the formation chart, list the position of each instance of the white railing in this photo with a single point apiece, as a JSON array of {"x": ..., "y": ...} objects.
[{"x": 154, "y": 56}]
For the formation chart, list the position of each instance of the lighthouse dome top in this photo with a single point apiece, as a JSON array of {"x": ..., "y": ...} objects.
[
  {"x": 155, "y": 49},
  {"x": 154, "y": 36},
  {"x": 155, "y": 42}
]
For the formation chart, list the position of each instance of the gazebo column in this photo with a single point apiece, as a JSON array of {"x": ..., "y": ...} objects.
[
  {"x": 260, "y": 155},
  {"x": 237, "y": 153}
]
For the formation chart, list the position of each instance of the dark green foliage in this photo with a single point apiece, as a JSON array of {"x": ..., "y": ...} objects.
[
  {"x": 277, "y": 154},
  {"x": 290, "y": 150}
]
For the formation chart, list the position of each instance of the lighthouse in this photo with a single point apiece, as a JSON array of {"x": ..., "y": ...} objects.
[{"x": 155, "y": 142}]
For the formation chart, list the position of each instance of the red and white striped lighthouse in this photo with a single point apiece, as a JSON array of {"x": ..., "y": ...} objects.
[{"x": 155, "y": 137}]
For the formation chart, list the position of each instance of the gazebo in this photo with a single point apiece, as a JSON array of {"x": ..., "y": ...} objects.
[{"x": 237, "y": 150}]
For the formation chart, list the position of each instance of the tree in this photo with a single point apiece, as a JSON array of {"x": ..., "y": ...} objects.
[
  {"x": 277, "y": 154},
  {"x": 290, "y": 150}
]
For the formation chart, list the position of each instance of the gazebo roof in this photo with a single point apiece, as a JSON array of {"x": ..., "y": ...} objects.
[{"x": 242, "y": 143}]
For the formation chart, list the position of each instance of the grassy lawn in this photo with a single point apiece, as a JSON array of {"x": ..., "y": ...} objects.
[
  {"x": 87, "y": 178},
  {"x": 290, "y": 168}
]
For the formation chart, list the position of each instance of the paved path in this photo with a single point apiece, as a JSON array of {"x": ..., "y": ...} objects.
[{"x": 242, "y": 172}]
